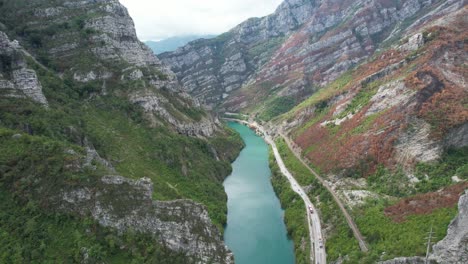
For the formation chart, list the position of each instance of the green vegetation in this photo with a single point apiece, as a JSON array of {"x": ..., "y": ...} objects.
[
  {"x": 180, "y": 167},
  {"x": 34, "y": 168},
  {"x": 367, "y": 123},
  {"x": 320, "y": 100},
  {"x": 237, "y": 116},
  {"x": 276, "y": 107},
  {"x": 361, "y": 99},
  {"x": 43, "y": 150},
  {"x": 393, "y": 183},
  {"x": 434, "y": 176},
  {"x": 431, "y": 176},
  {"x": 295, "y": 213},
  {"x": 30, "y": 235},
  {"x": 324, "y": 94},
  {"x": 397, "y": 239}
]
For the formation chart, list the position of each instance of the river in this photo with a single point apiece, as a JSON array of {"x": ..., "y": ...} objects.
[{"x": 255, "y": 230}]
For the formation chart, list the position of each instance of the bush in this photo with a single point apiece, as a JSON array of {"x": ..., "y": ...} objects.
[
  {"x": 276, "y": 107},
  {"x": 36, "y": 40}
]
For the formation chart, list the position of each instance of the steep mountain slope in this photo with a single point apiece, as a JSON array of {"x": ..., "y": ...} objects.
[
  {"x": 406, "y": 105},
  {"x": 83, "y": 101},
  {"x": 281, "y": 59},
  {"x": 337, "y": 36},
  {"x": 390, "y": 138},
  {"x": 171, "y": 44},
  {"x": 211, "y": 69}
]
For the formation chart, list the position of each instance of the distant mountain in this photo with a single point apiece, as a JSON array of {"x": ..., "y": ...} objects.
[{"x": 173, "y": 43}]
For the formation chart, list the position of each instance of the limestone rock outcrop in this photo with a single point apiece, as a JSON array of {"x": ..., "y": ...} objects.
[
  {"x": 121, "y": 203},
  {"x": 454, "y": 247},
  {"x": 212, "y": 69},
  {"x": 17, "y": 79},
  {"x": 95, "y": 43}
]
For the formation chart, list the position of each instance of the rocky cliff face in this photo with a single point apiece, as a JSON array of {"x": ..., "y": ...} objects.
[
  {"x": 392, "y": 120},
  {"x": 304, "y": 45},
  {"x": 94, "y": 43},
  {"x": 182, "y": 225},
  {"x": 16, "y": 78},
  {"x": 211, "y": 69},
  {"x": 454, "y": 247},
  {"x": 394, "y": 114}
]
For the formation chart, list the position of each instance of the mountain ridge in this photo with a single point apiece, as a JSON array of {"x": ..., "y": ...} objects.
[{"x": 91, "y": 122}]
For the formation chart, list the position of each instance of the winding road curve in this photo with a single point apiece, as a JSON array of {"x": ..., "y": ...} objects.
[
  {"x": 315, "y": 230},
  {"x": 357, "y": 234}
]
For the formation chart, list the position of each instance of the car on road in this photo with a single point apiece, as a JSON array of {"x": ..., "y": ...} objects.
[
  {"x": 320, "y": 243},
  {"x": 311, "y": 210}
]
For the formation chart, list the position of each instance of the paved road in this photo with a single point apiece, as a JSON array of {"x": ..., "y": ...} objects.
[
  {"x": 315, "y": 230},
  {"x": 349, "y": 219}
]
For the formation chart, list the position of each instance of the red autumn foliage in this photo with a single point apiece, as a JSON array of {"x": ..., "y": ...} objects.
[
  {"x": 439, "y": 100},
  {"x": 426, "y": 203}
]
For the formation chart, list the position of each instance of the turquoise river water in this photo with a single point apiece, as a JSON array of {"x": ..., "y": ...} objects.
[{"x": 255, "y": 230}]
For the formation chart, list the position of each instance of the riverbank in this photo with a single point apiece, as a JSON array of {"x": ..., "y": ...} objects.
[
  {"x": 314, "y": 223},
  {"x": 255, "y": 230}
]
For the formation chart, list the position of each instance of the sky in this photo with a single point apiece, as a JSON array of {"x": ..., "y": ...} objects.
[{"x": 161, "y": 19}]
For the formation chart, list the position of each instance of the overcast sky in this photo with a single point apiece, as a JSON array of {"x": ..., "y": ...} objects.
[{"x": 160, "y": 19}]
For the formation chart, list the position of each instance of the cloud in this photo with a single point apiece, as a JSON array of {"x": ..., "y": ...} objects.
[{"x": 159, "y": 19}]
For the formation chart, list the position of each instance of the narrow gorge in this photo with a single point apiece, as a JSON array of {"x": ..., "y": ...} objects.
[{"x": 112, "y": 154}]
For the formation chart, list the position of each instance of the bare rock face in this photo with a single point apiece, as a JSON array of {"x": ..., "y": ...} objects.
[
  {"x": 414, "y": 42},
  {"x": 303, "y": 44},
  {"x": 16, "y": 79},
  {"x": 121, "y": 203},
  {"x": 95, "y": 42},
  {"x": 212, "y": 69},
  {"x": 457, "y": 137},
  {"x": 288, "y": 16},
  {"x": 157, "y": 106},
  {"x": 390, "y": 95},
  {"x": 417, "y": 145},
  {"x": 454, "y": 247}
]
